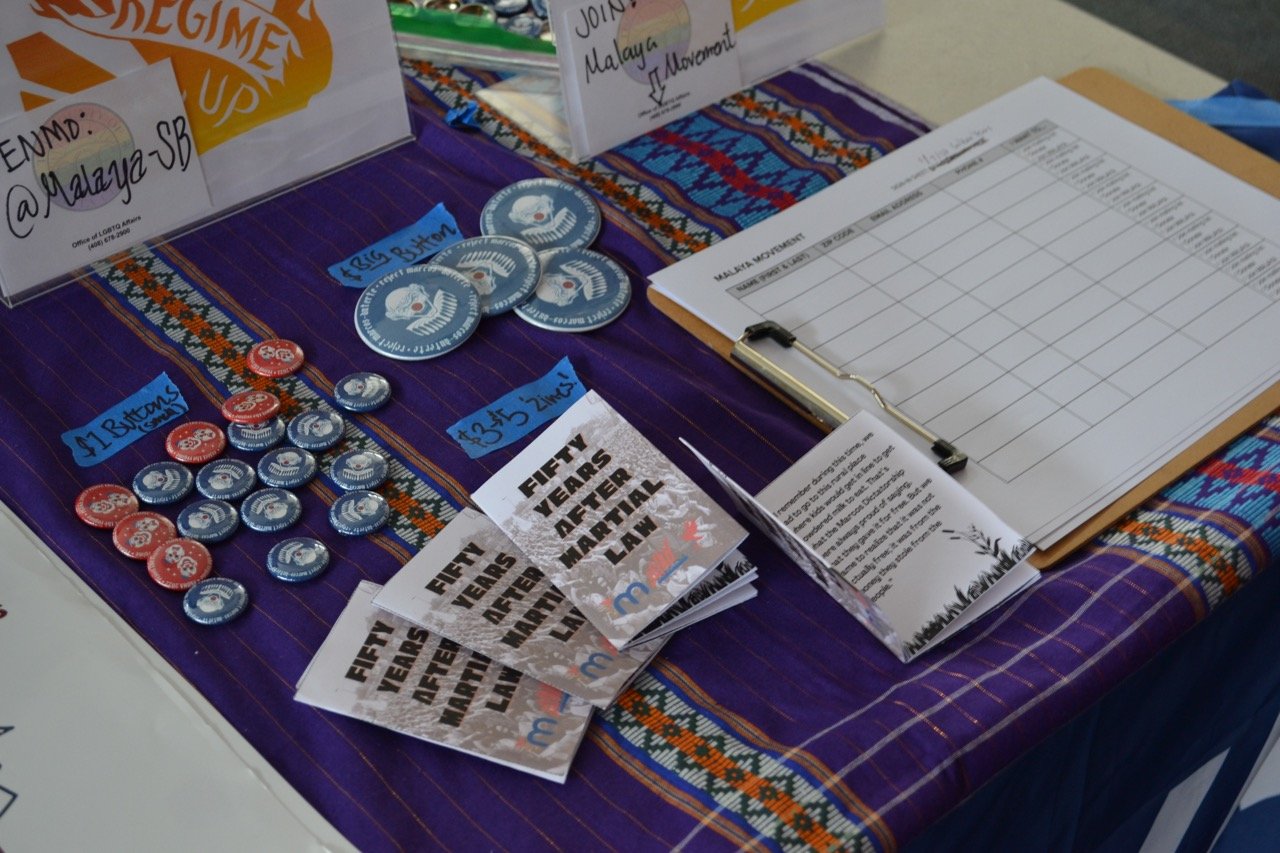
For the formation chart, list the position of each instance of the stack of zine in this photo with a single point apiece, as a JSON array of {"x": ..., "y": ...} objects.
[{"x": 502, "y": 634}]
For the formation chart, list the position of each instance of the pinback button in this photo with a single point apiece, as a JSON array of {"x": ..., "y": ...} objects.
[
  {"x": 256, "y": 437},
  {"x": 506, "y": 8},
  {"x": 208, "y": 520},
  {"x": 503, "y": 270},
  {"x": 580, "y": 290},
  {"x": 251, "y": 407},
  {"x": 105, "y": 504},
  {"x": 287, "y": 467},
  {"x": 298, "y": 559},
  {"x": 417, "y": 313},
  {"x": 195, "y": 442},
  {"x": 274, "y": 358},
  {"x": 528, "y": 25},
  {"x": 475, "y": 11},
  {"x": 359, "y": 513},
  {"x": 359, "y": 469},
  {"x": 138, "y": 534},
  {"x": 215, "y": 601},
  {"x": 179, "y": 564},
  {"x": 362, "y": 392},
  {"x": 317, "y": 429},
  {"x": 226, "y": 479},
  {"x": 270, "y": 510},
  {"x": 543, "y": 212},
  {"x": 163, "y": 482}
]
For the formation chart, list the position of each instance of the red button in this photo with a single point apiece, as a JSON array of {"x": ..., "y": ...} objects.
[
  {"x": 275, "y": 358},
  {"x": 251, "y": 407},
  {"x": 105, "y": 504},
  {"x": 196, "y": 442},
  {"x": 179, "y": 564},
  {"x": 137, "y": 535}
]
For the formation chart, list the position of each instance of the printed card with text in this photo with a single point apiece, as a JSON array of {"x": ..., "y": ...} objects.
[
  {"x": 94, "y": 173},
  {"x": 471, "y": 584},
  {"x": 895, "y": 540},
  {"x": 377, "y": 667},
  {"x": 629, "y": 66},
  {"x": 615, "y": 525},
  {"x": 270, "y": 92}
]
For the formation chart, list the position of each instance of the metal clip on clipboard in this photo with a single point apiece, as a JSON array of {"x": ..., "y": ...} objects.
[{"x": 950, "y": 458}]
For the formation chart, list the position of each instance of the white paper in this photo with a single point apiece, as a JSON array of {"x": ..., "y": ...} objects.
[
  {"x": 628, "y": 67},
  {"x": 94, "y": 173},
  {"x": 1068, "y": 298},
  {"x": 276, "y": 92},
  {"x": 88, "y": 703},
  {"x": 377, "y": 667},
  {"x": 897, "y": 541},
  {"x": 471, "y": 584},
  {"x": 615, "y": 525}
]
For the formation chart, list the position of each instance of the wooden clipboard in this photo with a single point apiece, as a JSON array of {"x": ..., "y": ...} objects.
[{"x": 1151, "y": 113}]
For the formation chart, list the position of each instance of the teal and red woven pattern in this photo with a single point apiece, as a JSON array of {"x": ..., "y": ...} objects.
[{"x": 780, "y": 724}]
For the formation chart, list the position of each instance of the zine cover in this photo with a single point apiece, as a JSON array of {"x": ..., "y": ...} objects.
[
  {"x": 891, "y": 536},
  {"x": 615, "y": 525},
  {"x": 377, "y": 667},
  {"x": 471, "y": 584}
]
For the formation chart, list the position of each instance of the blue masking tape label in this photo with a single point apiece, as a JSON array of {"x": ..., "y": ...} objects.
[
  {"x": 407, "y": 246},
  {"x": 520, "y": 412},
  {"x": 157, "y": 403}
]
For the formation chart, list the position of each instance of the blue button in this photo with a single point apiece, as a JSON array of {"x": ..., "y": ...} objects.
[
  {"x": 503, "y": 270},
  {"x": 208, "y": 521},
  {"x": 256, "y": 437},
  {"x": 359, "y": 513},
  {"x": 544, "y": 212},
  {"x": 226, "y": 479},
  {"x": 271, "y": 510},
  {"x": 287, "y": 467},
  {"x": 317, "y": 429},
  {"x": 362, "y": 392},
  {"x": 580, "y": 290},
  {"x": 215, "y": 601},
  {"x": 298, "y": 559},
  {"x": 359, "y": 469},
  {"x": 163, "y": 482},
  {"x": 417, "y": 313}
]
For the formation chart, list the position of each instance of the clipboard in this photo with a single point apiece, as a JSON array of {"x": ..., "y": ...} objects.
[{"x": 1148, "y": 112}]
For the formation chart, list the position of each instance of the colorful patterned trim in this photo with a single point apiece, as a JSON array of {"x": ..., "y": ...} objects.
[
  {"x": 1217, "y": 526},
  {"x": 801, "y": 130},
  {"x": 736, "y": 163},
  {"x": 753, "y": 793},
  {"x": 173, "y": 308},
  {"x": 671, "y": 230}
]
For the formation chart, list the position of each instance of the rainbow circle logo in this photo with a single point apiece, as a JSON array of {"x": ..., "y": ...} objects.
[
  {"x": 652, "y": 30},
  {"x": 96, "y": 142}
]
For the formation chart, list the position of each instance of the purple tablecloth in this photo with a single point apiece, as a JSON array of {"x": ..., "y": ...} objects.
[{"x": 780, "y": 722}]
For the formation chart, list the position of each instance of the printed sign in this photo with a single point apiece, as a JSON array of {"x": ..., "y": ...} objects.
[
  {"x": 275, "y": 91},
  {"x": 94, "y": 173},
  {"x": 632, "y": 66}
]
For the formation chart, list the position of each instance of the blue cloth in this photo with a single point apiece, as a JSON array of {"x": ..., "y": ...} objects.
[
  {"x": 1252, "y": 830},
  {"x": 1243, "y": 112}
]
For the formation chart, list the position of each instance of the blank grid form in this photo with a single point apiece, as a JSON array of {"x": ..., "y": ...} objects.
[{"x": 1015, "y": 302}]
